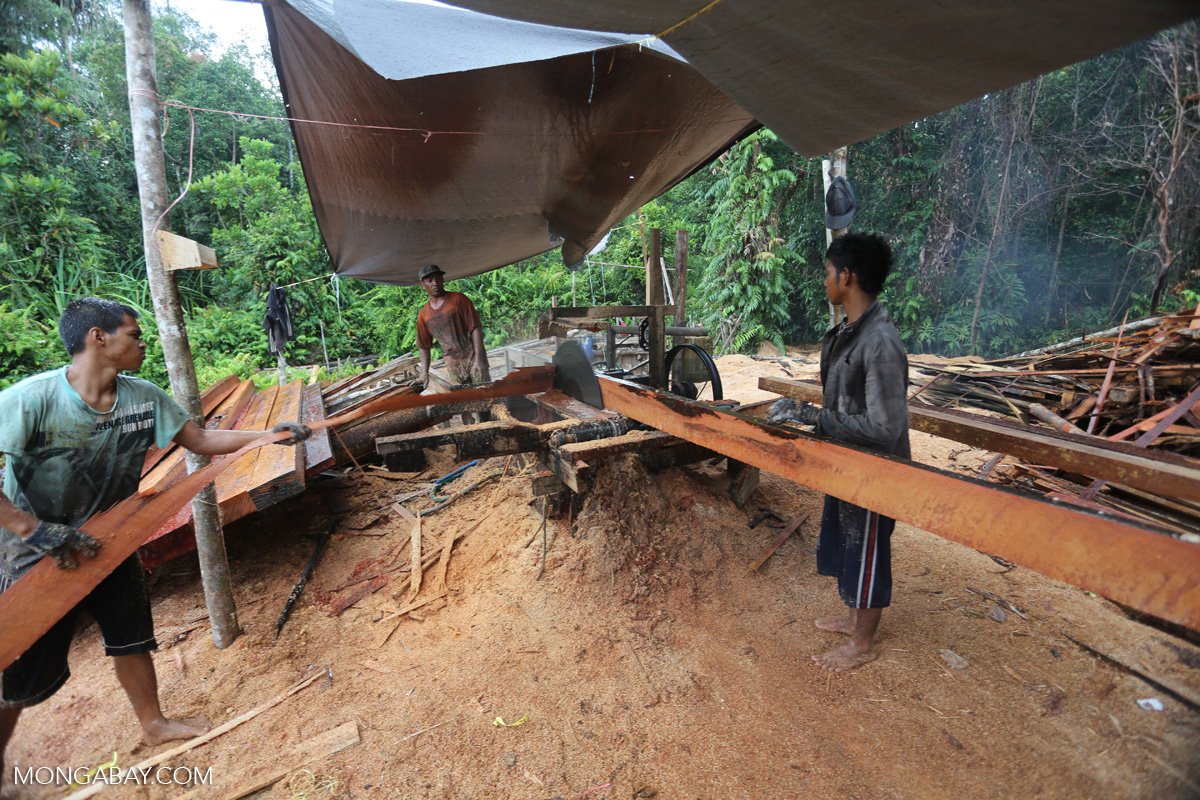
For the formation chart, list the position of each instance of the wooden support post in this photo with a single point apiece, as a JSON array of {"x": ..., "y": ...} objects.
[
  {"x": 1160, "y": 473},
  {"x": 1131, "y": 564},
  {"x": 830, "y": 169},
  {"x": 681, "y": 256},
  {"x": 654, "y": 285},
  {"x": 152, "y": 188},
  {"x": 610, "y": 347},
  {"x": 658, "y": 347}
]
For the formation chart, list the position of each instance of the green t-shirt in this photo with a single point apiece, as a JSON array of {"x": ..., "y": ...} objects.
[{"x": 67, "y": 461}]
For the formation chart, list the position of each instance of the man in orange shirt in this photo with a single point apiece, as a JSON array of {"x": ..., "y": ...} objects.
[{"x": 451, "y": 319}]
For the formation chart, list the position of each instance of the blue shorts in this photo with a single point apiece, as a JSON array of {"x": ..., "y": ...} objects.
[
  {"x": 120, "y": 604},
  {"x": 856, "y": 548}
]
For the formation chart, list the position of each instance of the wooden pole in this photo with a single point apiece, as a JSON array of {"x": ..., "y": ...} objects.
[
  {"x": 831, "y": 169},
  {"x": 681, "y": 255},
  {"x": 152, "y": 189},
  {"x": 654, "y": 286}
]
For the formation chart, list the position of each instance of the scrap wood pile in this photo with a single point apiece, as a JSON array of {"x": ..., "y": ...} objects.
[
  {"x": 1137, "y": 383},
  {"x": 401, "y": 501},
  {"x": 349, "y": 393}
]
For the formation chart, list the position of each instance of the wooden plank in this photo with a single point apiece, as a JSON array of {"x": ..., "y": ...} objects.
[
  {"x": 658, "y": 352},
  {"x": 259, "y": 777},
  {"x": 318, "y": 450},
  {"x": 607, "y": 448},
  {"x": 1159, "y": 370},
  {"x": 526, "y": 380},
  {"x": 235, "y": 480},
  {"x": 224, "y": 417},
  {"x": 175, "y": 536},
  {"x": 181, "y": 253},
  {"x": 777, "y": 542},
  {"x": 1156, "y": 472},
  {"x": 279, "y": 472},
  {"x": 210, "y": 399},
  {"x": 575, "y": 474},
  {"x": 569, "y": 408},
  {"x": 603, "y": 312},
  {"x": 498, "y": 437},
  {"x": 1137, "y": 566}
]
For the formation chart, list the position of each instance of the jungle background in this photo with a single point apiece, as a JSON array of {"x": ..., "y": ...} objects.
[{"x": 1023, "y": 217}]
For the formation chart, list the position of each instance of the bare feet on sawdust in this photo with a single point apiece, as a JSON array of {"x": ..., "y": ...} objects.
[
  {"x": 847, "y": 655},
  {"x": 168, "y": 730}
]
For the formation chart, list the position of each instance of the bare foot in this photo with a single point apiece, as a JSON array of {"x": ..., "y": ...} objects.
[
  {"x": 168, "y": 730},
  {"x": 845, "y": 656},
  {"x": 835, "y": 625}
]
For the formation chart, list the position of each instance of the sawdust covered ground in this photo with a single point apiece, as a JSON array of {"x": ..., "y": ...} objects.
[{"x": 647, "y": 661}]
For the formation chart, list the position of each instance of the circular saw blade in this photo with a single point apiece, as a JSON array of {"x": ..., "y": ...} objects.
[{"x": 574, "y": 376}]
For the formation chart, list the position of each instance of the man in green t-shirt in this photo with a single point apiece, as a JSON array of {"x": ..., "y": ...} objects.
[{"x": 75, "y": 439}]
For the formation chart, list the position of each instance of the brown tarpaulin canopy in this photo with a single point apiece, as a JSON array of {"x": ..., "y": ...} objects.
[
  {"x": 520, "y": 157},
  {"x": 827, "y": 74},
  {"x": 511, "y": 160}
]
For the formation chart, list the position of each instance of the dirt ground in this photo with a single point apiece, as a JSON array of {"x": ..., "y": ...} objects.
[{"x": 646, "y": 661}]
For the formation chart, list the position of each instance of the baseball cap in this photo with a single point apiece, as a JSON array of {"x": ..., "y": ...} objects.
[
  {"x": 430, "y": 269},
  {"x": 840, "y": 206}
]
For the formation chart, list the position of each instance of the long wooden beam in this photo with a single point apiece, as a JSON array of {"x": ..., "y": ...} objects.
[
  {"x": 1131, "y": 564},
  {"x": 1160, "y": 473}
]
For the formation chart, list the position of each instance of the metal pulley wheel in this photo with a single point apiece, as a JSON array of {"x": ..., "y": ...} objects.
[{"x": 688, "y": 389}]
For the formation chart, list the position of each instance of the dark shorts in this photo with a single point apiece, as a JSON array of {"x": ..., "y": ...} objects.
[
  {"x": 856, "y": 548},
  {"x": 120, "y": 605}
]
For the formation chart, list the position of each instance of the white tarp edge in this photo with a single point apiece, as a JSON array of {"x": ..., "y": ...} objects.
[{"x": 403, "y": 39}]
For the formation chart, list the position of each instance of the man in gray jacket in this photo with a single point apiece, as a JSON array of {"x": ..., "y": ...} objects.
[{"x": 864, "y": 371}]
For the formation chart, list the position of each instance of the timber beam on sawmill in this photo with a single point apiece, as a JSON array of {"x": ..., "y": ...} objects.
[
  {"x": 1132, "y": 564},
  {"x": 1125, "y": 464}
]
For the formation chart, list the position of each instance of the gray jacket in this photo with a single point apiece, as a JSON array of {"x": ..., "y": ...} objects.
[{"x": 864, "y": 371}]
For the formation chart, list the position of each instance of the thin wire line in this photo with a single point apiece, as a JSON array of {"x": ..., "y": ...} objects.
[{"x": 425, "y": 133}]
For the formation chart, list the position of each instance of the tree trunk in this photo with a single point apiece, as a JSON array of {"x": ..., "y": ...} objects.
[{"x": 152, "y": 183}]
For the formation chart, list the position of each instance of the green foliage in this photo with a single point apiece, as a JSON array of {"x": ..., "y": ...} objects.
[
  {"x": 47, "y": 247},
  {"x": 744, "y": 288},
  {"x": 26, "y": 347}
]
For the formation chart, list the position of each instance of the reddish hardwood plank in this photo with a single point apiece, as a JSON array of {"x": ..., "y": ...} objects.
[
  {"x": 318, "y": 450},
  {"x": 210, "y": 399}
]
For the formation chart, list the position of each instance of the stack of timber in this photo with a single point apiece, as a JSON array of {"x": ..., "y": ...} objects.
[
  {"x": 1110, "y": 420},
  {"x": 260, "y": 478},
  {"x": 1117, "y": 384},
  {"x": 1137, "y": 385},
  {"x": 350, "y": 393}
]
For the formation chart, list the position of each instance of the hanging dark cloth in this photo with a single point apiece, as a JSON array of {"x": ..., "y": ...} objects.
[{"x": 278, "y": 322}]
